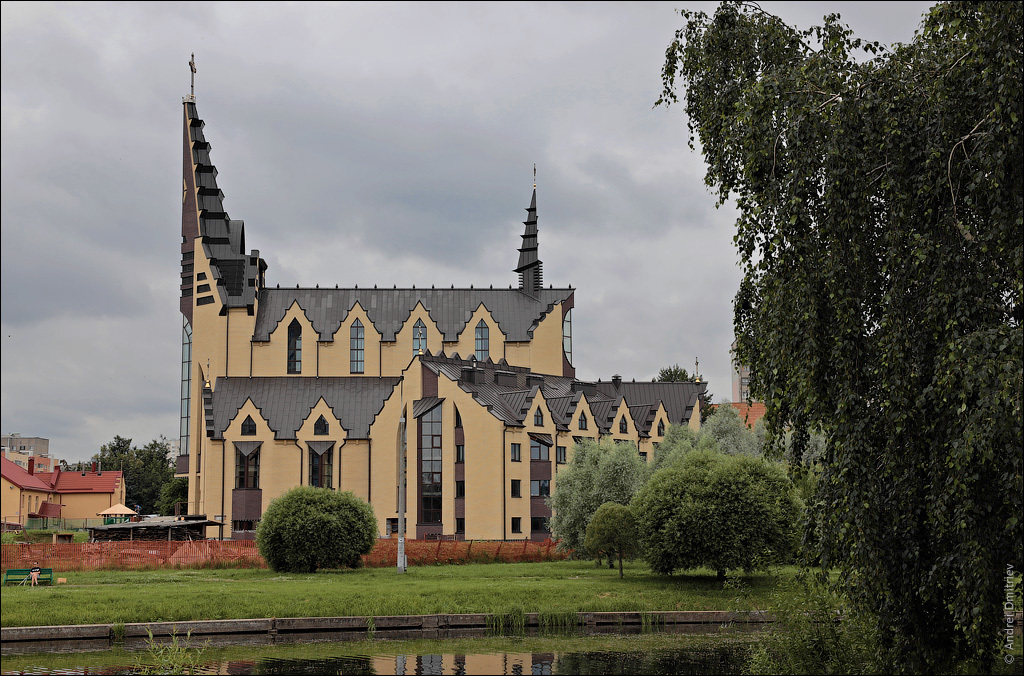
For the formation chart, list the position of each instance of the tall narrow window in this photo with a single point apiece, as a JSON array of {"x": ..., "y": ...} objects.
[
  {"x": 583, "y": 421},
  {"x": 661, "y": 428},
  {"x": 248, "y": 427},
  {"x": 538, "y": 418},
  {"x": 419, "y": 337},
  {"x": 567, "y": 336},
  {"x": 515, "y": 453},
  {"x": 622, "y": 425},
  {"x": 295, "y": 347},
  {"x": 560, "y": 455},
  {"x": 483, "y": 341},
  {"x": 186, "y": 386},
  {"x": 356, "y": 345},
  {"x": 247, "y": 469},
  {"x": 320, "y": 468},
  {"x": 430, "y": 466},
  {"x": 320, "y": 427}
]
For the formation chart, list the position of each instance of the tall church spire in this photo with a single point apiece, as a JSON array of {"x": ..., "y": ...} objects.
[{"x": 530, "y": 268}]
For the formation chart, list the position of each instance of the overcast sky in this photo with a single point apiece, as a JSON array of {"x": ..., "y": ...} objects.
[{"x": 361, "y": 144}]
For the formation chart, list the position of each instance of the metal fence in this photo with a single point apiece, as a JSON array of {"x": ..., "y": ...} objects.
[{"x": 142, "y": 554}]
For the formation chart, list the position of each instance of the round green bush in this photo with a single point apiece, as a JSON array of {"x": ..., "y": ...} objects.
[
  {"x": 310, "y": 528},
  {"x": 724, "y": 512}
]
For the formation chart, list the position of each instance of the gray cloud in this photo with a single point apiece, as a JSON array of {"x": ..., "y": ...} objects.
[{"x": 361, "y": 143}]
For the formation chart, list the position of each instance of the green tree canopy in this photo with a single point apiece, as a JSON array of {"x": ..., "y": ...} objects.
[
  {"x": 597, "y": 473},
  {"x": 146, "y": 470},
  {"x": 715, "y": 510},
  {"x": 173, "y": 492},
  {"x": 881, "y": 205},
  {"x": 673, "y": 374},
  {"x": 310, "y": 528},
  {"x": 613, "y": 529}
]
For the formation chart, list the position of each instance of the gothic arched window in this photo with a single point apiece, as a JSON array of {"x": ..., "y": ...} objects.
[{"x": 295, "y": 347}]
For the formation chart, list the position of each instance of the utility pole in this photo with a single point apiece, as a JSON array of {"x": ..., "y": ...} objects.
[{"x": 401, "y": 494}]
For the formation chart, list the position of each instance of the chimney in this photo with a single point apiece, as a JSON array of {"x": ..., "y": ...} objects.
[
  {"x": 31, "y": 465},
  {"x": 94, "y": 467},
  {"x": 616, "y": 380}
]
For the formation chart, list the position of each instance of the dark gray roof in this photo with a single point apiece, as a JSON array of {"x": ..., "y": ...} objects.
[
  {"x": 286, "y": 401},
  {"x": 509, "y": 398},
  {"x": 516, "y": 313},
  {"x": 679, "y": 398}
]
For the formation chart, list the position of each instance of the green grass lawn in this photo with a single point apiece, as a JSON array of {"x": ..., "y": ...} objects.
[{"x": 565, "y": 586}]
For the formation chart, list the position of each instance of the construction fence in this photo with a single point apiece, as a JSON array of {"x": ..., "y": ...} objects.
[{"x": 143, "y": 554}]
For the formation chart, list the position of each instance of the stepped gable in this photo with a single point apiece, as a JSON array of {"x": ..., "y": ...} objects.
[{"x": 285, "y": 402}]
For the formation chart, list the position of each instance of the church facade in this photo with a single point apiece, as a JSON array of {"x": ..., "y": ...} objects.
[{"x": 283, "y": 387}]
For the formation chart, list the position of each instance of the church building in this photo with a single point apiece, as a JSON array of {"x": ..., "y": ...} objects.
[{"x": 284, "y": 387}]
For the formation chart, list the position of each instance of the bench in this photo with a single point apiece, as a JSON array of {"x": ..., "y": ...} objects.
[{"x": 24, "y": 576}]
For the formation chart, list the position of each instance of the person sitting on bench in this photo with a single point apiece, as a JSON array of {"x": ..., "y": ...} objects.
[{"x": 34, "y": 573}]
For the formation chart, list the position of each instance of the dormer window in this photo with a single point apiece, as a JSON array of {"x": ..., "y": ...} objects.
[
  {"x": 538, "y": 418},
  {"x": 583, "y": 421},
  {"x": 622, "y": 425},
  {"x": 419, "y": 337},
  {"x": 483, "y": 341},
  {"x": 320, "y": 427},
  {"x": 661, "y": 428},
  {"x": 248, "y": 427},
  {"x": 295, "y": 347}
]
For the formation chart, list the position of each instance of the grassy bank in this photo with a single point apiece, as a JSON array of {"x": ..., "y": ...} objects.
[{"x": 565, "y": 586}]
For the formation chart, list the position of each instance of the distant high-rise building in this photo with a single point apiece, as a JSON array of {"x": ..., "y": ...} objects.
[
  {"x": 740, "y": 378},
  {"x": 19, "y": 449}
]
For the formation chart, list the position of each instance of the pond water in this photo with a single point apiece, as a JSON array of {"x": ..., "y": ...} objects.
[{"x": 641, "y": 654}]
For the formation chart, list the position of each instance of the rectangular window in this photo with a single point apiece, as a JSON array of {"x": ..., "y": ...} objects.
[
  {"x": 540, "y": 488},
  {"x": 643, "y": 456},
  {"x": 515, "y": 453},
  {"x": 205, "y": 300},
  {"x": 516, "y": 490},
  {"x": 539, "y": 524},
  {"x": 320, "y": 466},
  {"x": 560, "y": 455},
  {"x": 538, "y": 451},
  {"x": 247, "y": 469},
  {"x": 460, "y": 524},
  {"x": 357, "y": 344},
  {"x": 430, "y": 466},
  {"x": 202, "y": 288},
  {"x": 243, "y": 526},
  {"x": 460, "y": 453},
  {"x": 517, "y": 526},
  {"x": 460, "y": 489}
]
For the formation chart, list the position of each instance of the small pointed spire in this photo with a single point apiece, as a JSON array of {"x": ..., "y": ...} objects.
[
  {"x": 530, "y": 268},
  {"x": 192, "y": 67}
]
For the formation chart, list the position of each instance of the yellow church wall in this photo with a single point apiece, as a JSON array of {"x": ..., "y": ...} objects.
[
  {"x": 336, "y": 355},
  {"x": 466, "y": 344},
  {"x": 238, "y": 329},
  {"x": 306, "y": 433},
  {"x": 546, "y": 347},
  {"x": 486, "y": 489},
  {"x": 271, "y": 358},
  {"x": 396, "y": 355},
  {"x": 377, "y": 467},
  {"x": 695, "y": 417}
]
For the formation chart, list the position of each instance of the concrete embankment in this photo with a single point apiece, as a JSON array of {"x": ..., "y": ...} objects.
[{"x": 299, "y": 629}]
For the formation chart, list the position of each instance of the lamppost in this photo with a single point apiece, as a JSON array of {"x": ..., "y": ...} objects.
[{"x": 401, "y": 495}]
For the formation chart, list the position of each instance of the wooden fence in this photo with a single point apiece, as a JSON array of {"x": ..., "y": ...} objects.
[{"x": 243, "y": 554}]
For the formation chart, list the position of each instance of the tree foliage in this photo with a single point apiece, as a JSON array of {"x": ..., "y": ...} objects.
[
  {"x": 172, "y": 492},
  {"x": 673, "y": 374},
  {"x": 881, "y": 205},
  {"x": 597, "y": 473},
  {"x": 146, "y": 470},
  {"x": 309, "y": 528},
  {"x": 719, "y": 511},
  {"x": 613, "y": 529}
]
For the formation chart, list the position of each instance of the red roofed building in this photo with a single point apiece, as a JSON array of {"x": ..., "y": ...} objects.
[
  {"x": 57, "y": 494},
  {"x": 749, "y": 413}
]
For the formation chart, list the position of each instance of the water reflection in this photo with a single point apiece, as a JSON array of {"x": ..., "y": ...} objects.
[{"x": 718, "y": 660}]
